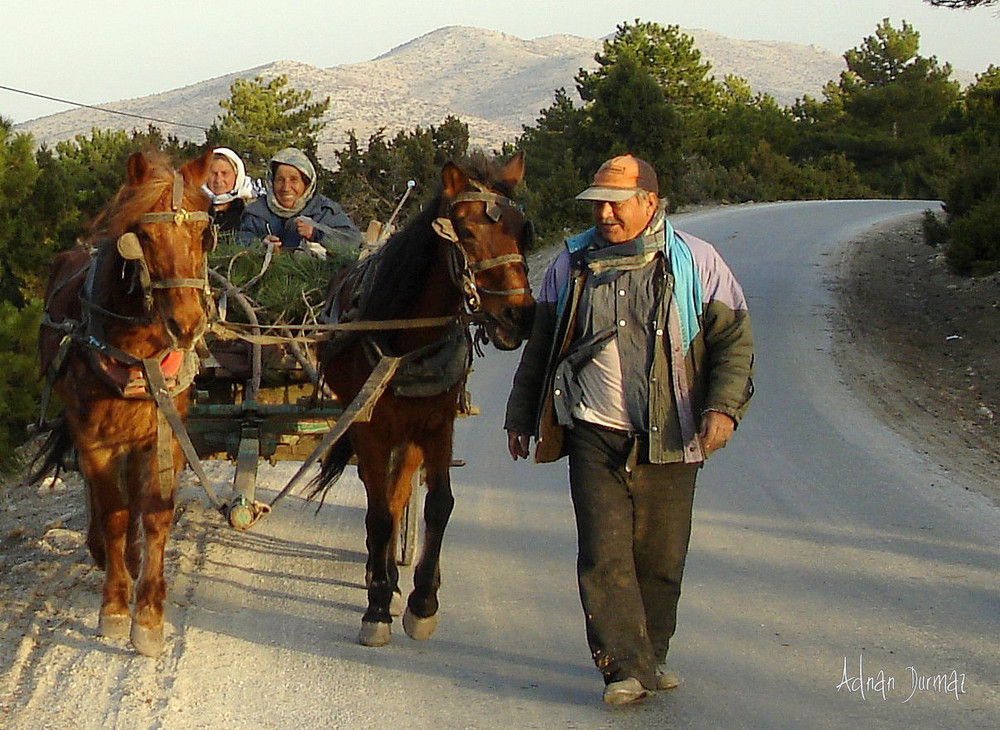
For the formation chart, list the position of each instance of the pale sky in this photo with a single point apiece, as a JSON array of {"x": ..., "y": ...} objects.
[{"x": 96, "y": 51}]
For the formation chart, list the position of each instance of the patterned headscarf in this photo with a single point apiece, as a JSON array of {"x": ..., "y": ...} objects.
[{"x": 297, "y": 159}]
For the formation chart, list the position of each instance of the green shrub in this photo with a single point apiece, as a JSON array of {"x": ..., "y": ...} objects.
[
  {"x": 975, "y": 240},
  {"x": 20, "y": 385},
  {"x": 935, "y": 229}
]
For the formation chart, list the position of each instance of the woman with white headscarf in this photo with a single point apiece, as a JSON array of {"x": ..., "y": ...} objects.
[
  {"x": 229, "y": 189},
  {"x": 293, "y": 216}
]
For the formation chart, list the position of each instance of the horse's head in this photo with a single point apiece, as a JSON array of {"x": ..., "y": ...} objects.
[
  {"x": 488, "y": 233},
  {"x": 160, "y": 221}
]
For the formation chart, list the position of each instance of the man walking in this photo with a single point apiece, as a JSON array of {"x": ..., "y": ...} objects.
[{"x": 637, "y": 369}]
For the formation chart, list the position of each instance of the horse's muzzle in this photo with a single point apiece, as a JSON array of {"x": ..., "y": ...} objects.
[{"x": 511, "y": 326}]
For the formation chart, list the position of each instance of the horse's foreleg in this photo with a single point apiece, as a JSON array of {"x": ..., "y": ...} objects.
[
  {"x": 106, "y": 538},
  {"x": 156, "y": 514},
  {"x": 386, "y": 477},
  {"x": 115, "y": 598},
  {"x": 420, "y": 618},
  {"x": 95, "y": 529}
]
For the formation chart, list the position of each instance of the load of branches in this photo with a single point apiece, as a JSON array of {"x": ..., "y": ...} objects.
[{"x": 283, "y": 288}]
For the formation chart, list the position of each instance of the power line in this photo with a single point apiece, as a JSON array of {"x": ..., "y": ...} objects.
[
  {"x": 102, "y": 109},
  {"x": 265, "y": 137}
]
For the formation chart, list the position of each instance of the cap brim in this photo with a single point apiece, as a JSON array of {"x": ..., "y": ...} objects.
[{"x": 611, "y": 195}]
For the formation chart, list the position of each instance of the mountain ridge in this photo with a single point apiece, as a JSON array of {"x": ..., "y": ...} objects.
[{"x": 495, "y": 82}]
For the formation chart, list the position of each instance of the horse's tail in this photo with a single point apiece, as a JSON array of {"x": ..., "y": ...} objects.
[
  {"x": 332, "y": 467},
  {"x": 53, "y": 455}
]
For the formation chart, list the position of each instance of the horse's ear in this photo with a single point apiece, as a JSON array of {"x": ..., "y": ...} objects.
[
  {"x": 453, "y": 180},
  {"x": 137, "y": 169},
  {"x": 512, "y": 171},
  {"x": 195, "y": 172}
]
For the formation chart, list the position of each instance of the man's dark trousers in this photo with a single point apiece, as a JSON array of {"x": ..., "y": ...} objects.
[{"x": 633, "y": 525}]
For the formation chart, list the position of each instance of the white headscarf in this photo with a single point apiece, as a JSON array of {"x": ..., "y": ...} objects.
[{"x": 242, "y": 187}]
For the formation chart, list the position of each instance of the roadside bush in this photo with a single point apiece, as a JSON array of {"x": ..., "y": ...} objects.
[
  {"x": 975, "y": 240},
  {"x": 20, "y": 386},
  {"x": 935, "y": 230}
]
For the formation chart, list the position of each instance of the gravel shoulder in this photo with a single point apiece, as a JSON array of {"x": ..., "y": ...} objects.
[{"x": 922, "y": 346}]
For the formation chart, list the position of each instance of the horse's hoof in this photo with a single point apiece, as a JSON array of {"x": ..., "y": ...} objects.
[
  {"x": 419, "y": 629},
  {"x": 374, "y": 633},
  {"x": 147, "y": 641},
  {"x": 396, "y": 604},
  {"x": 113, "y": 625}
]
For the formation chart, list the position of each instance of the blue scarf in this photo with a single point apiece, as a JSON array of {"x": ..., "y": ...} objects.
[{"x": 607, "y": 261}]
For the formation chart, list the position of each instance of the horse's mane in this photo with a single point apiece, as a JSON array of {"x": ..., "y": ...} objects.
[
  {"x": 404, "y": 260},
  {"x": 132, "y": 201}
]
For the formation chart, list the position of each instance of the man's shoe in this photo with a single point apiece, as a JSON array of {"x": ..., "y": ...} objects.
[
  {"x": 665, "y": 679},
  {"x": 624, "y": 692}
]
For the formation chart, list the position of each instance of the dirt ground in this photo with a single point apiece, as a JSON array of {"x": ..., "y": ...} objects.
[{"x": 922, "y": 345}]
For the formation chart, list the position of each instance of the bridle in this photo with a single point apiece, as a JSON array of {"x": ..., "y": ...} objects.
[
  {"x": 463, "y": 271},
  {"x": 130, "y": 249}
]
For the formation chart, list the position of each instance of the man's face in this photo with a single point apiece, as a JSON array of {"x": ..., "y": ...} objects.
[{"x": 623, "y": 221}]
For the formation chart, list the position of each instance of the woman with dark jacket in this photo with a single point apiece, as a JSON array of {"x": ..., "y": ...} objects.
[{"x": 293, "y": 216}]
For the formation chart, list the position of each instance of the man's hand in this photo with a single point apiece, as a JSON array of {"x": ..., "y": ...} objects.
[
  {"x": 716, "y": 428},
  {"x": 517, "y": 444}
]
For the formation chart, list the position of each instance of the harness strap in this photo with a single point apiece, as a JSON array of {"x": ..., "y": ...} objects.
[
  {"x": 177, "y": 284},
  {"x": 508, "y": 258},
  {"x": 53, "y": 372},
  {"x": 177, "y": 218},
  {"x": 167, "y": 415}
]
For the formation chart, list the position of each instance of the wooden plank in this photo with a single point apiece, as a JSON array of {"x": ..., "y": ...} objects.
[{"x": 359, "y": 409}]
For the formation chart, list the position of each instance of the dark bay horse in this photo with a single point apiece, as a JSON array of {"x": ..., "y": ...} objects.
[
  {"x": 122, "y": 315},
  {"x": 460, "y": 257}
]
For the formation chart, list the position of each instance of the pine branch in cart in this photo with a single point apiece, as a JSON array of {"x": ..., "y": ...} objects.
[{"x": 290, "y": 291}]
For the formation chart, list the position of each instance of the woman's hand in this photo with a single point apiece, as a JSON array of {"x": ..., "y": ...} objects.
[
  {"x": 272, "y": 240},
  {"x": 305, "y": 228}
]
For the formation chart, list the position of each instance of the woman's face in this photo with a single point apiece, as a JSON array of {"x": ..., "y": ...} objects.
[
  {"x": 289, "y": 185},
  {"x": 221, "y": 176}
]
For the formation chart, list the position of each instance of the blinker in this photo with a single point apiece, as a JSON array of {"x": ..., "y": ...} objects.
[
  {"x": 129, "y": 247},
  {"x": 445, "y": 228}
]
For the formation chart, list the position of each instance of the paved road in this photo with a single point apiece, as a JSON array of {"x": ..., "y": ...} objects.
[
  {"x": 820, "y": 539},
  {"x": 824, "y": 548}
]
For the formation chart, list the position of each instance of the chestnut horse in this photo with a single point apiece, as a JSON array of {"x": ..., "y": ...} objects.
[
  {"x": 459, "y": 260},
  {"x": 122, "y": 315}
]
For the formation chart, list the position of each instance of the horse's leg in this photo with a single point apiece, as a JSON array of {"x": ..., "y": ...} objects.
[
  {"x": 95, "y": 528},
  {"x": 156, "y": 512},
  {"x": 420, "y": 618},
  {"x": 133, "y": 536},
  {"x": 106, "y": 539},
  {"x": 383, "y": 469}
]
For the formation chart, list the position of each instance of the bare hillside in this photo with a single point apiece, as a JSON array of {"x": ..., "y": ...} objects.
[{"x": 495, "y": 82}]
